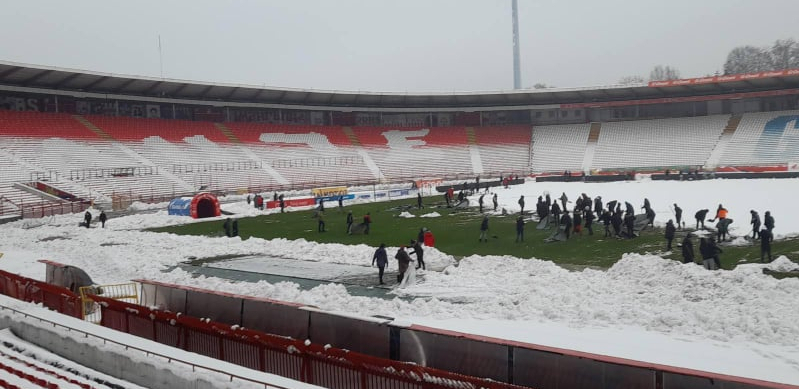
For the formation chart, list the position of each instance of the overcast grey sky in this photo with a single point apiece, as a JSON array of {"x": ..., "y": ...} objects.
[{"x": 400, "y": 45}]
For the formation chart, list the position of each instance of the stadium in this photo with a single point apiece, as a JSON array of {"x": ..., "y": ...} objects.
[{"x": 158, "y": 295}]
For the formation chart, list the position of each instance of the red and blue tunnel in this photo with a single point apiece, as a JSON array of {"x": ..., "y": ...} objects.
[{"x": 200, "y": 206}]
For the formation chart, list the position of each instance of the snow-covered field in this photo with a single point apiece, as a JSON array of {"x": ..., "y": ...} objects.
[{"x": 738, "y": 322}]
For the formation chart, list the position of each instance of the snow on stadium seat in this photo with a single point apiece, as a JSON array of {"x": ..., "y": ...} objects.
[
  {"x": 657, "y": 143},
  {"x": 504, "y": 149},
  {"x": 764, "y": 138},
  {"x": 560, "y": 147}
]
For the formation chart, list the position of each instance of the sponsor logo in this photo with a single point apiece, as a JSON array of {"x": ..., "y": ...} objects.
[
  {"x": 750, "y": 76},
  {"x": 331, "y": 191}
]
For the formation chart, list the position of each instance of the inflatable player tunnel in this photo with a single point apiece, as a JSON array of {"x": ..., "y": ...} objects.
[{"x": 200, "y": 206}]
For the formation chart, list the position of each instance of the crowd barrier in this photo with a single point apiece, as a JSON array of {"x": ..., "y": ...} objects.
[
  {"x": 53, "y": 297},
  {"x": 501, "y": 360},
  {"x": 308, "y": 362}
]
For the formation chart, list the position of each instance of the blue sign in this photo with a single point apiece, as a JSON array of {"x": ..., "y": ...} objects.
[
  {"x": 180, "y": 206},
  {"x": 335, "y": 198}
]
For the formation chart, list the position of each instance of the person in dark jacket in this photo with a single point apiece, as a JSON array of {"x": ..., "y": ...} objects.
[
  {"x": 687, "y": 249},
  {"x": 612, "y": 206},
  {"x": 616, "y": 221},
  {"x": 381, "y": 258},
  {"x": 650, "y": 217},
  {"x": 87, "y": 219},
  {"x": 755, "y": 222},
  {"x": 598, "y": 205},
  {"x": 629, "y": 209},
  {"x": 670, "y": 231},
  {"x": 226, "y": 226},
  {"x": 521, "y": 204},
  {"x": 321, "y": 221},
  {"x": 350, "y": 220},
  {"x": 340, "y": 203},
  {"x": 494, "y": 199},
  {"x": 103, "y": 218},
  {"x": 678, "y": 216},
  {"x": 520, "y": 229},
  {"x": 700, "y": 217},
  {"x": 605, "y": 219},
  {"x": 419, "y": 252},
  {"x": 548, "y": 200},
  {"x": 234, "y": 228},
  {"x": 765, "y": 244},
  {"x": 563, "y": 200},
  {"x": 629, "y": 224},
  {"x": 577, "y": 222},
  {"x": 589, "y": 220},
  {"x": 420, "y": 235},
  {"x": 713, "y": 250},
  {"x": 282, "y": 203},
  {"x": 419, "y": 200},
  {"x": 403, "y": 261},
  {"x": 480, "y": 202},
  {"x": 447, "y": 199},
  {"x": 484, "y": 230},
  {"x": 710, "y": 253},
  {"x": 768, "y": 222},
  {"x": 566, "y": 222},
  {"x": 556, "y": 213}
]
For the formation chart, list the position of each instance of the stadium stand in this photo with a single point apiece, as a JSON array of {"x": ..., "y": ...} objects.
[
  {"x": 103, "y": 158},
  {"x": 304, "y": 154},
  {"x": 137, "y": 129},
  {"x": 504, "y": 149},
  {"x": 762, "y": 139},
  {"x": 42, "y": 125},
  {"x": 657, "y": 143},
  {"x": 417, "y": 152},
  {"x": 558, "y": 148}
]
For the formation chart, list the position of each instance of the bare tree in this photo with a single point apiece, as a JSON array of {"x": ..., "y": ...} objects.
[
  {"x": 747, "y": 59},
  {"x": 630, "y": 80},
  {"x": 663, "y": 73},
  {"x": 784, "y": 54}
]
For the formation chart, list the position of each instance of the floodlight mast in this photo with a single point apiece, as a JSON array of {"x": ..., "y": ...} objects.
[{"x": 517, "y": 76}]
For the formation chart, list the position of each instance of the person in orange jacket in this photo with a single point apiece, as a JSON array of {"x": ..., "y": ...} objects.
[{"x": 722, "y": 224}]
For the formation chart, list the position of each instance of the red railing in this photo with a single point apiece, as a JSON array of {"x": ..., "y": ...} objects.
[
  {"x": 53, "y": 297},
  {"x": 303, "y": 361}
]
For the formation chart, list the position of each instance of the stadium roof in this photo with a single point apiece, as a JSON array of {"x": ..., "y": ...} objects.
[{"x": 52, "y": 78}]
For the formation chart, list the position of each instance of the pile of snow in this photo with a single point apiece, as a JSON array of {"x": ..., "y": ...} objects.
[
  {"x": 431, "y": 214},
  {"x": 406, "y": 214}
]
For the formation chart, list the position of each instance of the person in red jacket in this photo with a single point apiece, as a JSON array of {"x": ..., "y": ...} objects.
[{"x": 367, "y": 220}]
